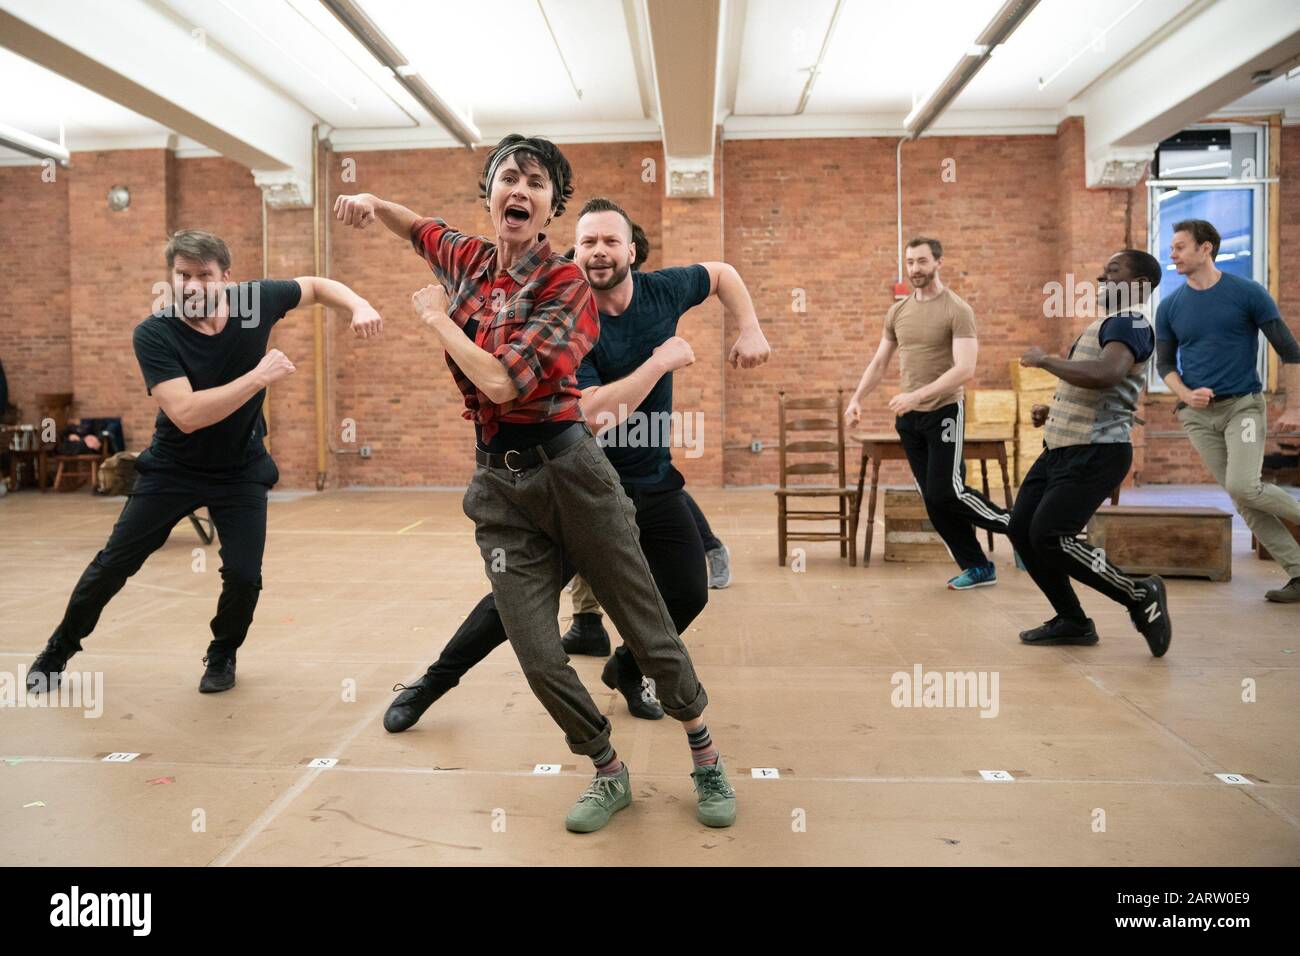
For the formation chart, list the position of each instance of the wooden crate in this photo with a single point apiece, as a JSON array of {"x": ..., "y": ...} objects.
[
  {"x": 1027, "y": 379},
  {"x": 1029, "y": 448},
  {"x": 987, "y": 405},
  {"x": 909, "y": 535},
  {"x": 1259, "y": 545},
  {"x": 1029, "y": 440},
  {"x": 1027, "y": 399},
  {"x": 1193, "y": 542},
  {"x": 1023, "y": 464}
]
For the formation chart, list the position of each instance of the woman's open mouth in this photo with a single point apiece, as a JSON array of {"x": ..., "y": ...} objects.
[{"x": 516, "y": 215}]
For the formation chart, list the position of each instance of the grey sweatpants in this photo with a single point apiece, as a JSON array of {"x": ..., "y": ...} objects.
[{"x": 573, "y": 506}]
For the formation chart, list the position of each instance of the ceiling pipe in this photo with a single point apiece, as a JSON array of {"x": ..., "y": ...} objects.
[
  {"x": 25, "y": 142},
  {"x": 1000, "y": 28},
  {"x": 382, "y": 49},
  {"x": 816, "y": 69}
]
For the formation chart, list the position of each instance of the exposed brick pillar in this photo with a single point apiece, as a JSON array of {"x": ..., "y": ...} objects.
[
  {"x": 115, "y": 259},
  {"x": 292, "y": 416},
  {"x": 35, "y": 342},
  {"x": 692, "y": 232}
]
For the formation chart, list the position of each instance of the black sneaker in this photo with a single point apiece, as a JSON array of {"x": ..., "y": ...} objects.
[
  {"x": 1151, "y": 616},
  {"x": 638, "y": 691},
  {"x": 586, "y": 636},
  {"x": 46, "y": 670},
  {"x": 219, "y": 675},
  {"x": 409, "y": 706},
  {"x": 1060, "y": 631}
]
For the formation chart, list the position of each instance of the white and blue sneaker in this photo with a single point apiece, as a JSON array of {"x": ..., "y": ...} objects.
[{"x": 979, "y": 577}]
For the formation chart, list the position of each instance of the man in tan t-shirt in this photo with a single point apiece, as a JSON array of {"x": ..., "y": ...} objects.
[{"x": 933, "y": 332}]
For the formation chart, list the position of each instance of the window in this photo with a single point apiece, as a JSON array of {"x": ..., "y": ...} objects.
[{"x": 1237, "y": 205}]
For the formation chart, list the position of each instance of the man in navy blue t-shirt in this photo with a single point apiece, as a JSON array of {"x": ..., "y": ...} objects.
[
  {"x": 626, "y": 383},
  {"x": 1207, "y": 340}
]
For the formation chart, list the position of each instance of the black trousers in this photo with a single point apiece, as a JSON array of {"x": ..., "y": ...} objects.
[
  {"x": 1058, "y": 496},
  {"x": 711, "y": 542},
  {"x": 163, "y": 497},
  {"x": 932, "y": 442},
  {"x": 672, "y": 546}
]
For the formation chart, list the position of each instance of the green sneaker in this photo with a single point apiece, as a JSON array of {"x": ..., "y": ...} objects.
[
  {"x": 717, "y": 801},
  {"x": 604, "y": 797}
]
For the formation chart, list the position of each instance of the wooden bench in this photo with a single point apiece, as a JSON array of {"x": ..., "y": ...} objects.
[{"x": 1191, "y": 542}]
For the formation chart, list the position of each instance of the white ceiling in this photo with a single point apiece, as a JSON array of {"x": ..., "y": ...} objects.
[{"x": 882, "y": 58}]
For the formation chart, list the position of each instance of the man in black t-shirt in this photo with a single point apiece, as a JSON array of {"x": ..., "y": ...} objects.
[
  {"x": 205, "y": 361},
  {"x": 626, "y": 382}
]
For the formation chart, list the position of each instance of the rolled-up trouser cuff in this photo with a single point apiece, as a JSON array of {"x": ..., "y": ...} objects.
[
  {"x": 691, "y": 710},
  {"x": 593, "y": 747}
]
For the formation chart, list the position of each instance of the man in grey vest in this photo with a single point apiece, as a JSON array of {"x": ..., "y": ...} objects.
[{"x": 1088, "y": 453}]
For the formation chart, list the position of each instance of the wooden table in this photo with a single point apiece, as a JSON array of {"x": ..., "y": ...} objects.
[{"x": 878, "y": 447}]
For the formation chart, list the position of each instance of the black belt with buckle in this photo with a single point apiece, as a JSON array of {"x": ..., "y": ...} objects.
[
  {"x": 1227, "y": 398},
  {"x": 521, "y": 459}
]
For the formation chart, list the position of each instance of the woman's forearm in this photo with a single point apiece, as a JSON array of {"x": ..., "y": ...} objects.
[
  {"x": 396, "y": 217},
  {"x": 480, "y": 367}
]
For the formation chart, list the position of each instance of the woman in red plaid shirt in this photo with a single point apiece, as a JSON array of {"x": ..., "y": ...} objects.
[{"x": 516, "y": 319}]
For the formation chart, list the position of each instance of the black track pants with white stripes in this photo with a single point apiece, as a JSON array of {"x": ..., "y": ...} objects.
[
  {"x": 1058, "y": 496},
  {"x": 933, "y": 444}
]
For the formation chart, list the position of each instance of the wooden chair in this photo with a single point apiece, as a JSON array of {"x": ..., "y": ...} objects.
[
  {"x": 82, "y": 467},
  {"x": 830, "y": 419}
]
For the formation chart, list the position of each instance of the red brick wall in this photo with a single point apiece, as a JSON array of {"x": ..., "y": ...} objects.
[
  {"x": 35, "y": 339},
  {"x": 810, "y": 215},
  {"x": 820, "y": 215},
  {"x": 115, "y": 260}
]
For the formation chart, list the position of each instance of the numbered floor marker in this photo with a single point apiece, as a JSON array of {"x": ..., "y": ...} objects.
[
  {"x": 546, "y": 768},
  {"x": 765, "y": 773},
  {"x": 120, "y": 758},
  {"x": 1000, "y": 776},
  {"x": 1236, "y": 778},
  {"x": 323, "y": 763}
]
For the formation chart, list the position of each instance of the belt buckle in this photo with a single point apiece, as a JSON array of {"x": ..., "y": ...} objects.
[{"x": 506, "y": 458}]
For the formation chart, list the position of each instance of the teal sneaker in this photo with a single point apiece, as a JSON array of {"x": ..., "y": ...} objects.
[
  {"x": 717, "y": 801},
  {"x": 974, "y": 578},
  {"x": 603, "y": 797}
]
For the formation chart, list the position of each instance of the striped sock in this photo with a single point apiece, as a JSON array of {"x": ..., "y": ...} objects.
[
  {"x": 607, "y": 763},
  {"x": 702, "y": 750}
]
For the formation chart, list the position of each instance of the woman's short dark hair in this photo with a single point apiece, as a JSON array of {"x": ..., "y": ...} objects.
[
  {"x": 642, "y": 247},
  {"x": 540, "y": 151},
  {"x": 1201, "y": 232},
  {"x": 199, "y": 246}
]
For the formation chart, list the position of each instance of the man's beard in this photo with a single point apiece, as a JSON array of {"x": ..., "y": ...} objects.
[
  {"x": 200, "y": 305},
  {"x": 616, "y": 276},
  {"x": 921, "y": 281}
]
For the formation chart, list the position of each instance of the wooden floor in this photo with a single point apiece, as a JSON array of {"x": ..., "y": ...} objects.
[{"x": 1112, "y": 754}]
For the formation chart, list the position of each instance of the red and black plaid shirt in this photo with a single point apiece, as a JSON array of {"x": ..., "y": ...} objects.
[{"x": 538, "y": 318}]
